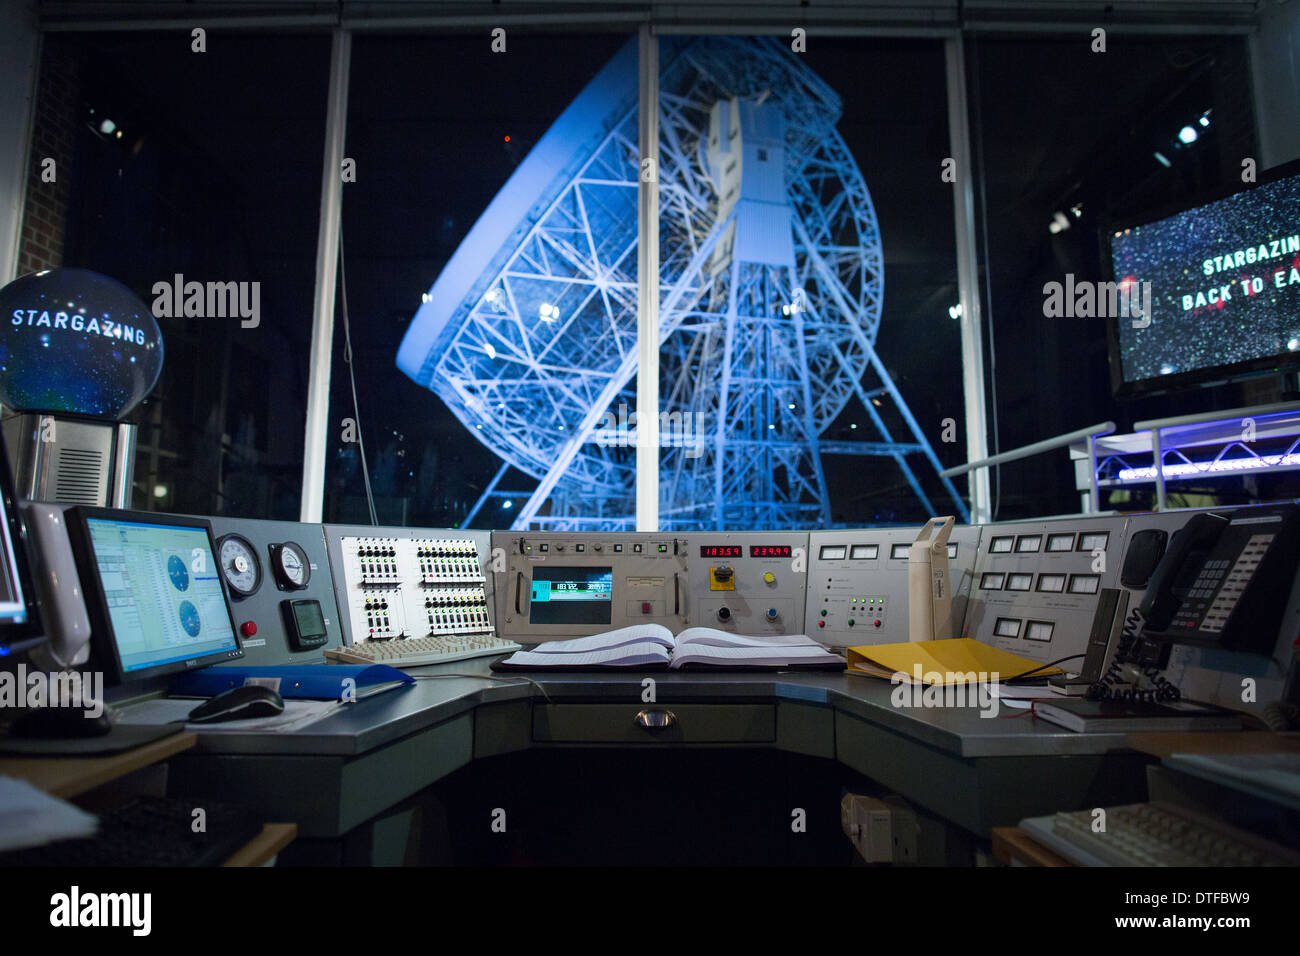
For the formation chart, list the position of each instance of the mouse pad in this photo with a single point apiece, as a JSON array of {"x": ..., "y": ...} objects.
[{"x": 118, "y": 739}]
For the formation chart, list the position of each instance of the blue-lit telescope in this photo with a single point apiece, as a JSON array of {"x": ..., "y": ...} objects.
[{"x": 78, "y": 342}]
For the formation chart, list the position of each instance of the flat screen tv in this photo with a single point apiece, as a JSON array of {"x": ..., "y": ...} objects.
[{"x": 1224, "y": 288}]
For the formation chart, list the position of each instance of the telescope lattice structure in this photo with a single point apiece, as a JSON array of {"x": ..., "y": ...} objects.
[{"x": 771, "y": 286}]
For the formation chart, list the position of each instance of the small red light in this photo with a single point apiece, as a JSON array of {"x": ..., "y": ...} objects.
[{"x": 507, "y": 139}]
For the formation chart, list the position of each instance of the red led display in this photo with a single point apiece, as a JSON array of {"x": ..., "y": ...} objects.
[
  {"x": 770, "y": 551},
  {"x": 720, "y": 551}
]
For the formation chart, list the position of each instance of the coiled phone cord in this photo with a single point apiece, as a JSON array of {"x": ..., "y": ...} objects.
[{"x": 1111, "y": 686}]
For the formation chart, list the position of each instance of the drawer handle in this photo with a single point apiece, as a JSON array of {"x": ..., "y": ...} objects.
[{"x": 656, "y": 719}]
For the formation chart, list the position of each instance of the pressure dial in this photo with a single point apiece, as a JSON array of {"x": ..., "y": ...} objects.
[
  {"x": 239, "y": 565},
  {"x": 290, "y": 566}
]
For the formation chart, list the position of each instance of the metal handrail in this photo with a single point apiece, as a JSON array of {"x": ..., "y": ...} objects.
[{"x": 1091, "y": 434}]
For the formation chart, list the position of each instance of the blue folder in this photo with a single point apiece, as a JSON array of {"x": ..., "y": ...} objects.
[{"x": 306, "y": 681}]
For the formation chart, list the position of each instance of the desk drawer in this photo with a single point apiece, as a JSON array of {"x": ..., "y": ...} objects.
[{"x": 618, "y": 724}]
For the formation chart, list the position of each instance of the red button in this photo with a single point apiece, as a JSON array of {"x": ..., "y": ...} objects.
[
  {"x": 821, "y": 623},
  {"x": 877, "y": 624},
  {"x": 645, "y": 607},
  {"x": 248, "y": 629}
]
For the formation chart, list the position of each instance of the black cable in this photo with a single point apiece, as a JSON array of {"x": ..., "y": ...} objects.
[{"x": 1059, "y": 660}]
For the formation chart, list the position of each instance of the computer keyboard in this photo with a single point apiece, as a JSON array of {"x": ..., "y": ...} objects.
[
  {"x": 152, "y": 831},
  {"x": 1154, "y": 834},
  {"x": 417, "y": 651}
]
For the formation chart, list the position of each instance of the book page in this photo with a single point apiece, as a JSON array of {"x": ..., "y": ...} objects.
[
  {"x": 716, "y": 638},
  {"x": 636, "y": 634},
  {"x": 753, "y": 656},
  {"x": 628, "y": 655}
]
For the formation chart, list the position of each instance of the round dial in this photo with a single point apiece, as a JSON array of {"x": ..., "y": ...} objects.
[
  {"x": 290, "y": 564},
  {"x": 239, "y": 565}
]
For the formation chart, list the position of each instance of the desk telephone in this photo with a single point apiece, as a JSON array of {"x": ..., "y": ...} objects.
[{"x": 1225, "y": 580}]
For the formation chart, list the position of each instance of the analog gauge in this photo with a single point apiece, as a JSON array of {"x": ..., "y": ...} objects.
[
  {"x": 290, "y": 566},
  {"x": 239, "y": 565}
]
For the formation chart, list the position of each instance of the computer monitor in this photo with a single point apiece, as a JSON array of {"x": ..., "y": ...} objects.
[
  {"x": 1224, "y": 288},
  {"x": 154, "y": 591},
  {"x": 20, "y": 619}
]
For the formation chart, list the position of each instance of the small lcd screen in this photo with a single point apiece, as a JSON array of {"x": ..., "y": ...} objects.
[
  {"x": 307, "y": 615},
  {"x": 770, "y": 551},
  {"x": 162, "y": 587},
  {"x": 721, "y": 551},
  {"x": 1060, "y": 542},
  {"x": 1090, "y": 541},
  {"x": 571, "y": 596}
]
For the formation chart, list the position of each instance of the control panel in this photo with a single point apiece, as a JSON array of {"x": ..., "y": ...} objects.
[
  {"x": 394, "y": 583},
  {"x": 857, "y": 583},
  {"x": 281, "y": 595},
  {"x": 748, "y": 582},
  {"x": 553, "y": 585},
  {"x": 1036, "y": 584}
]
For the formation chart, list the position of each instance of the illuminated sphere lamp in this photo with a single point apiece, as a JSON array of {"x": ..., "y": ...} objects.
[{"x": 78, "y": 352}]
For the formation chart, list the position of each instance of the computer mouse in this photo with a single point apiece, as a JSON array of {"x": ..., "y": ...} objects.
[
  {"x": 239, "y": 703},
  {"x": 53, "y": 723}
]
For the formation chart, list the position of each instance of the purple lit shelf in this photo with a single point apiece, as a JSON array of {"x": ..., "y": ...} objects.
[{"x": 1259, "y": 439}]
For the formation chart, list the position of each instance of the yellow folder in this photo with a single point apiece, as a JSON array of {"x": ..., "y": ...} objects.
[{"x": 941, "y": 663}]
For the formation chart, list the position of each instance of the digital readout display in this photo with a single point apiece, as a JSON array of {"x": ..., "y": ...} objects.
[
  {"x": 770, "y": 551},
  {"x": 721, "y": 551}
]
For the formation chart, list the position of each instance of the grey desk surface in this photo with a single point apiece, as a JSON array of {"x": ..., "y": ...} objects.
[
  {"x": 977, "y": 772},
  {"x": 371, "y": 723}
]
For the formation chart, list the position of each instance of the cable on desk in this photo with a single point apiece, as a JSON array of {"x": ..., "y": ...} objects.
[
  {"x": 511, "y": 679},
  {"x": 1034, "y": 670}
]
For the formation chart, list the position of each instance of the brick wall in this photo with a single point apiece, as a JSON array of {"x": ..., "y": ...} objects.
[{"x": 58, "y": 113}]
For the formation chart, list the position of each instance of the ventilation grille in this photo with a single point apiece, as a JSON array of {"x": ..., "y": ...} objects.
[{"x": 80, "y": 476}]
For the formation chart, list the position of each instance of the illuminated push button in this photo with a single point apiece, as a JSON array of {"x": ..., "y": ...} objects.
[
  {"x": 769, "y": 577},
  {"x": 877, "y": 624},
  {"x": 248, "y": 629},
  {"x": 823, "y": 612},
  {"x": 850, "y": 622},
  {"x": 771, "y": 614},
  {"x": 821, "y": 623}
]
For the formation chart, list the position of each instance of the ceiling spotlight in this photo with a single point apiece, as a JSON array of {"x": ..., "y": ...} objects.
[
  {"x": 1294, "y": 345},
  {"x": 1188, "y": 135},
  {"x": 424, "y": 297},
  {"x": 548, "y": 312},
  {"x": 1059, "y": 223},
  {"x": 954, "y": 311},
  {"x": 1205, "y": 118},
  {"x": 490, "y": 349},
  {"x": 107, "y": 127},
  {"x": 1163, "y": 160}
]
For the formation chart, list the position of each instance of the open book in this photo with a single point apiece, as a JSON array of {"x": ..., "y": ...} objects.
[{"x": 653, "y": 647}]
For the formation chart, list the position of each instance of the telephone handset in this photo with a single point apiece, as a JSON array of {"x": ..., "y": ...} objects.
[{"x": 1225, "y": 580}]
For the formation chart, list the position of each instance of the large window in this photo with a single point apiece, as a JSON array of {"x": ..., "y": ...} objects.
[
  {"x": 1070, "y": 140},
  {"x": 440, "y": 129},
  {"x": 807, "y": 243},
  {"x": 187, "y": 166}
]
